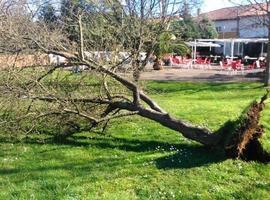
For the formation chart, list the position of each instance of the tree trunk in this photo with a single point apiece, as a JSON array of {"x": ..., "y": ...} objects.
[
  {"x": 267, "y": 70},
  {"x": 239, "y": 139},
  {"x": 157, "y": 64}
]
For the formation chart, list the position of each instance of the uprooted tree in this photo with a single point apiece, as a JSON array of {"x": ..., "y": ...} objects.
[{"x": 110, "y": 39}]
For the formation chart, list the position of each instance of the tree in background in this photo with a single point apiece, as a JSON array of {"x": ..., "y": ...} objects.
[
  {"x": 69, "y": 11},
  {"x": 70, "y": 8},
  {"x": 168, "y": 43},
  {"x": 187, "y": 27},
  {"x": 190, "y": 29},
  {"x": 47, "y": 13},
  {"x": 207, "y": 29}
]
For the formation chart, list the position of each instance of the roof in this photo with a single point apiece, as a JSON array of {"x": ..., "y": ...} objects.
[
  {"x": 221, "y": 14},
  {"x": 237, "y": 11}
]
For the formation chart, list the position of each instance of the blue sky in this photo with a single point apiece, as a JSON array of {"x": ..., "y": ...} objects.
[{"x": 210, "y": 5}]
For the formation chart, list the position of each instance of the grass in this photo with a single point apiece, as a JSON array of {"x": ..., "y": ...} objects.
[{"x": 139, "y": 159}]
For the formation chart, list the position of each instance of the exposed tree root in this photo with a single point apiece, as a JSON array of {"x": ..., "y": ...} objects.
[{"x": 244, "y": 142}]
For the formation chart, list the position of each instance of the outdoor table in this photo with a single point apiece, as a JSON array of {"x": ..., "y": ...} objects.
[
  {"x": 234, "y": 57},
  {"x": 250, "y": 60}
]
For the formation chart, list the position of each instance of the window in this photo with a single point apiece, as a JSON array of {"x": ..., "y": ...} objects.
[
  {"x": 218, "y": 28},
  {"x": 256, "y": 25}
]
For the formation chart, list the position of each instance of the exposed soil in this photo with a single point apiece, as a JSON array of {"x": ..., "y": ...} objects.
[{"x": 245, "y": 143}]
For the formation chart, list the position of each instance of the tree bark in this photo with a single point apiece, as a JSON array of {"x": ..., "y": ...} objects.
[
  {"x": 188, "y": 130},
  {"x": 157, "y": 65},
  {"x": 267, "y": 70}
]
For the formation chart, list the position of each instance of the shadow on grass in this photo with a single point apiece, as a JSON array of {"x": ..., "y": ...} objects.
[
  {"x": 232, "y": 78},
  {"x": 190, "y": 157},
  {"x": 183, "y": 155},
  {"x": 84, "y": 165}
]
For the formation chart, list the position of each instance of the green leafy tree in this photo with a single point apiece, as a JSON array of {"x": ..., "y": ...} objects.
[
  {"x": 48, "y": 14},
  {"x": 190, "y": 29},
  {"x": 168, "y": 43},
  {"x": 207, "y": 29},
  {"x": 70, "y": 10}
]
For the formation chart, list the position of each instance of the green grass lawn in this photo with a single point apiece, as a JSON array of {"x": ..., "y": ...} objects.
[{"x": 139, "y": 159}]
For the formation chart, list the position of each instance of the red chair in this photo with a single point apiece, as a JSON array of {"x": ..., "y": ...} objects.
[
  {"x": 237, "y": 65},
  {"x": 225, "y": 64},
  {"x": 207, "y": 61},
  {"x": 199, "y": 61},
  {"x": 186, "y": 60},
  {"x": 252, "y": 66},
  {"x": 262, "y": 64},
  {"x": 176, "y": 60}
]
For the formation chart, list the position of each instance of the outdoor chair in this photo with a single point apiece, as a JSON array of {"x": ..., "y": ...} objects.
[
  {"x": 238, "y": 66},
  {"x": 227, "y": 66},
  {"x": 252, "y": 66},
  {"x": 175, "y": 60},
  {"x": 256, "y": 65},
  {"x": 204, "y": 63},
  {"x": 199, "y": 61},
  {"x": 262, "y": 64}
]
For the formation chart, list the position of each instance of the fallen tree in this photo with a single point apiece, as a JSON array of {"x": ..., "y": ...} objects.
[{"x": 40, "y": 95}]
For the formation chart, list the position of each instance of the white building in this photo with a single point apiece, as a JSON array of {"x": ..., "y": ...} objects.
[{"x": 240, "y": 21}]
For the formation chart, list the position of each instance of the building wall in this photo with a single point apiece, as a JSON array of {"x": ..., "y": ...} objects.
[
  {"x": 251, "y": 27},
  {"x": 222, "y": 35},
  {"x": 227, "y": 25},
  {"x": 7, "y": 61},
  {"x": 226, "y": 28}
]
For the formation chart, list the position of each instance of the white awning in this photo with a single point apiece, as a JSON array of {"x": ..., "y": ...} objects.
[
  {"x": 243, "y": 40},
  {"x": 202, "y": 44}
]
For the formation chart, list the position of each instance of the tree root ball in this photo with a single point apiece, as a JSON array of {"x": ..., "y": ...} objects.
[{"x": 244, "y": 143}]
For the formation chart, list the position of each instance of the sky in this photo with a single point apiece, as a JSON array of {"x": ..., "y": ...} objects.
[{"x": 210, "y": 5}]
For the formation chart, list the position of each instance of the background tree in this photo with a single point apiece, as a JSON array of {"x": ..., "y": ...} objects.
[
  {"x": 190, "y": 29},
  {"x": 47, "y": 13},
  {"x": 168, "y": 44},
  {"x": 69, "y": 11},
  {"x": 207, "y": 29}
]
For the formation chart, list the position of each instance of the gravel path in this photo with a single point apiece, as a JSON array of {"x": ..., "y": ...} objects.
[{"x": 208, "y": 75}]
